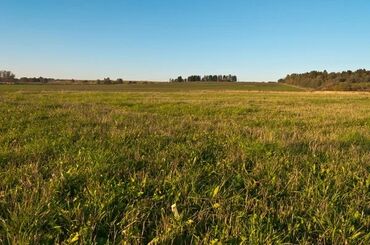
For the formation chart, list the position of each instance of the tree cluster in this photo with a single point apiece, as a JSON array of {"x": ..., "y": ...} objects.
[
  {"x": 207, "y": 78},
  {"x": 109, "y": 81},
  {"x": 6, "y": 76},
  {"x": 322, "y": 80}
]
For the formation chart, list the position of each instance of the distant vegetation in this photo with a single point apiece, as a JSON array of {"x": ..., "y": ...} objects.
[
  {"x": 207, "y": 78},
  {"x": 6, "y": 76},
  {"x": 347, "y": 80},
  {"x": 9, "y": 77},
  {"x": 316, "y": 80},
  {"x": 43, "y": 80}
]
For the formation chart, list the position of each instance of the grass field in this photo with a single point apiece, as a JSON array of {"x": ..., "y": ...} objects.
[
  {"x": 252, "y": 164},
  {"x": 153, "y": 87}
]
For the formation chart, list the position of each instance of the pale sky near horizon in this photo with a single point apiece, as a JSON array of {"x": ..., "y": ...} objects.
[{"x": 257, "y": 40}]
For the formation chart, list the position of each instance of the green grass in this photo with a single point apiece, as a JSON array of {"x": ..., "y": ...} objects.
[
  {"x": 152, "y": 87},
  {"x": 241, "y": 166}
]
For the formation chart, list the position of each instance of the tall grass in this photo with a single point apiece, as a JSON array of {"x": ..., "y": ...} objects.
[{"x": 184, "y": 167}]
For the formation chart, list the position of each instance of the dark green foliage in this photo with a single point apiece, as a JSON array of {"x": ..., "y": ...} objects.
[
  {"x": 207, "y": 78},
  {"x": 348, "y": 80},
  {"x": 194, "y": 78}
]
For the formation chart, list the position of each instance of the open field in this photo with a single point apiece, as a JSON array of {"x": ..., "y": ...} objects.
[
  {"x": 153, "y": 87},
  {"x": 88, "y": 165}
]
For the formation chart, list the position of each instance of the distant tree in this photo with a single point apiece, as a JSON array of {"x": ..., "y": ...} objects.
[
  {"x": 107, "y": 81},
  {"x": 6, "y": 74},
  {"x": 43, "y": 80},
  {"x": 194, "y": 78},
  {"x": 180, "y": 79},
  {"x": 7, "y": 77},
  {"x": 24, "y": 80}
]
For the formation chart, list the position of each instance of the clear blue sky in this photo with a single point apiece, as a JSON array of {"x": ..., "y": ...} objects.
[{"x": 257, "y": 40}]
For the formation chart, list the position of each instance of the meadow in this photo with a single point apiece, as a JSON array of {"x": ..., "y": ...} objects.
[{"x": 189, "y": 163}]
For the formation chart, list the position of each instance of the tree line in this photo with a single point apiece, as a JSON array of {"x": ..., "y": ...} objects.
[
  {"x": 51, "y": 80},
  {"x": 9, "y": 77},
  {"x": 206, "y": 78},
  {"x": 346, "y": 80}
]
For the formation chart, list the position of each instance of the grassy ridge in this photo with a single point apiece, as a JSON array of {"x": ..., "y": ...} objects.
[
  {"x": 248, "y": 167},
  {"x": 152, "y": 87}
]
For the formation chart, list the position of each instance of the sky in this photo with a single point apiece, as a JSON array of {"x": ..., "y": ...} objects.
[{"x": 257, "y": 40}]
